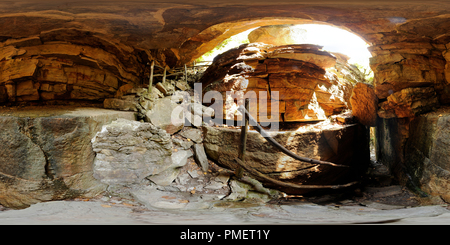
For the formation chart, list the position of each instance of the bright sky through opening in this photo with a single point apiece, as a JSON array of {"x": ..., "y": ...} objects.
[{"x": 332, "y": 39}]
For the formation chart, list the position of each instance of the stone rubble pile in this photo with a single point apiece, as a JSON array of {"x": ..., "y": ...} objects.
[
  {"x": 148, "y": 161},
  {"x": 159, "y": 150},
  {"x": 157, "y": 103}
]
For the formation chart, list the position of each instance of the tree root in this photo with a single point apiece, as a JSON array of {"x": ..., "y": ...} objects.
[{"x": 286, "y": 184}]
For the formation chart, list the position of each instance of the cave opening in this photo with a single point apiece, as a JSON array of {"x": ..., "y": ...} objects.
[
  {"x": 313, "y": 69},
  {"x": 65, "y": 57}
]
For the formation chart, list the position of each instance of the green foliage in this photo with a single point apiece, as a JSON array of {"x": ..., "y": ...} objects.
[{"x": 368, "y": 73}]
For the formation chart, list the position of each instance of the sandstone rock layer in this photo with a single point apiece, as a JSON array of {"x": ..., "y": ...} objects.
[
  {"x": 364, "y": 104},
  {"x": 427, "y": 152},
  {"x": 66, "y": 64}
]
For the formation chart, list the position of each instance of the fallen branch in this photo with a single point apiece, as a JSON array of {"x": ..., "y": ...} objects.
[{"x": 286, "y": 184}]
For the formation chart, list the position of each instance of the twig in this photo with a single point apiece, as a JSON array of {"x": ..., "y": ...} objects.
[
  {"x": 185, "y": 72},
  {"x": 164, "y": 75}
]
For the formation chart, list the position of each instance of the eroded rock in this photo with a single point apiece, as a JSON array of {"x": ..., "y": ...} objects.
[
  {"x": 49, "y": 156},
  {"x": 200, "y": 156},
  {"x": 129, "y": 151},
  {"x": 166, "y": 177},
  {"x": 193, "y": 134},
  {"x": 364, "y": 103},
  {"x": 161, "y": 115},
  {"x": 400, "y": 65},
  {"x": 409, "y": 102},
  {"x": 340, "y": 144},
  {"x": 427, "y": 150},
  {"x": 276, "y": 35},
  {"x": 120, "y": 104},
  {"x": 308, "y": 53},
  {"x": 306, "y": 91}
]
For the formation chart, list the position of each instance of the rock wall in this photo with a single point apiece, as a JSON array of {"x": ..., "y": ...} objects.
[
  {"x": 340, "y": 144},
  {"x": 66, "y": 64},
  {"x": 78, "y": 51},
  {"x": 50, "y": 157},
  {"x": 409, "y": 76},
  {"x": 428, "y": 155}
]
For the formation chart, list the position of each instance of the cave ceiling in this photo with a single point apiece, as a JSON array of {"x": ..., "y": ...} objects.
[{"x": 190, "y": 28}]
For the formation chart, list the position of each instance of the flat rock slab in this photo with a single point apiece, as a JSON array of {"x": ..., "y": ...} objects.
[
  {"x": 47, "y": 153},
  {"x": 103, "y": 212},
  {"x": 155, "y": 199},
  {"x": 384, "y": 191},
  {"x": 193, "y": 134}
]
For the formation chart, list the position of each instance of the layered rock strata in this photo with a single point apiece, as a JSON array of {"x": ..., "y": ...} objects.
[
  {"x": 66, "y": 64},
  {"x": 340, "y": 144},
  {"x": 306, "y": 90},
  {"x": 411, "y": 83}
]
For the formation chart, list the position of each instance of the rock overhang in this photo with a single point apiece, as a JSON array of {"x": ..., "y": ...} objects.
[
  {"x": 410, "y": 42},
  {"x": 185, "y": 28}
]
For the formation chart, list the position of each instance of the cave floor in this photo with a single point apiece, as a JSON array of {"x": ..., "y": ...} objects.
[
  {"x": 380, "y": 201},
  {"x": 33, "y": 111},
  {"x": 118, "y": 212}
]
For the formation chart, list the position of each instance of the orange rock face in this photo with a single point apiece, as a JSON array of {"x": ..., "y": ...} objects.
[{"x": 294, "y": 78}]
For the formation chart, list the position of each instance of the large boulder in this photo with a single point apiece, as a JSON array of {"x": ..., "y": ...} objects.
[
  {"x": 340, "y": 144},
  {"x": 427, "y": 152},
  {"x": 129, "y": 151},
  {"x": 47, "y": 154}
]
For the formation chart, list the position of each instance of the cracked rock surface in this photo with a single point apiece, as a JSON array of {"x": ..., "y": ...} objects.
[{"x": 52, "y": 153}]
